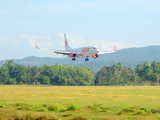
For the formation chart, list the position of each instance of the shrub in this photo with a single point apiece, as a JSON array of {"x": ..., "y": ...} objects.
[
  {"x": 72, "y": 106},
  {"x": 57, "y": 107}
]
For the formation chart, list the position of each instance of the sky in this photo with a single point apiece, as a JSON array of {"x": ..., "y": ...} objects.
[{"x": 105, "y": 23}]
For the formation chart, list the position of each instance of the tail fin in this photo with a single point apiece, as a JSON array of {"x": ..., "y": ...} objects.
[{"x": 66, "y": 43}]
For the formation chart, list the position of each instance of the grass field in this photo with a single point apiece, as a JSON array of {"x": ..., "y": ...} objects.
[{"x": 79, "y": 103}]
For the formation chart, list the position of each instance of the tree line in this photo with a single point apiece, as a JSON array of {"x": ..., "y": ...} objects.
[
  {"x": 18, "y": 74},
  {"x": 11, "y": 73},
  {"x": 143, "y": 74}
]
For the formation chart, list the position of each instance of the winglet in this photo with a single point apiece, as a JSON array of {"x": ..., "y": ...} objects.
[{"x": 36, "y": 45}]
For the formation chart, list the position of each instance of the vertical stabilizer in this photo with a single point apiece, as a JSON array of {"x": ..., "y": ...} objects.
[{"x": 66, "y": 43}]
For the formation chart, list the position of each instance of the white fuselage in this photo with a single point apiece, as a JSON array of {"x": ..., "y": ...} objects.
[{"x": 84, "y": 51}]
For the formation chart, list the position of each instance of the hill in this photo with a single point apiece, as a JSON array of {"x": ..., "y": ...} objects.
[{"x": 130, "y": 57}]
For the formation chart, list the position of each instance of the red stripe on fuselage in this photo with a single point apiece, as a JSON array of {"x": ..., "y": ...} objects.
[{"x": 85, "y": 49}]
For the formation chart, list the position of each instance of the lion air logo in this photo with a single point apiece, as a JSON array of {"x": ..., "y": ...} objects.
[
  {"x": 66, "y": 43},
  {"x": 85, "y": 49}
]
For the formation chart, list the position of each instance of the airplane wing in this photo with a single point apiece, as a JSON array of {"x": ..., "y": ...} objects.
[
  {"x": 108, "y": 51},
  {"x": 55, "y": 51},
  {"x": 62, "y": 52}
]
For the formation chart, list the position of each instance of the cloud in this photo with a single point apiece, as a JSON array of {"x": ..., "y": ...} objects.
[
  {"x": 103, "y": 44},
  {"x": 18, "y": 42},
  {"x": 41, "y": 40},
  {"x": 29, "y": 39},
  {"x": 106, "y": 45},
  {"x": 1, "y": 40},
  {"x": 11, "y": 41}
]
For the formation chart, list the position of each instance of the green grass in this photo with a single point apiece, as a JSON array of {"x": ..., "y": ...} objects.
[{"x": 79, "y": 103}]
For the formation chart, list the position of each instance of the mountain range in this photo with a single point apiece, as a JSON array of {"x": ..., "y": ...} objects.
[{"x": 129, "y": 57}]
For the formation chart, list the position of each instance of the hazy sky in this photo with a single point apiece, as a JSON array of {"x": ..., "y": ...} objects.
[{"x": 105, "y": 23}]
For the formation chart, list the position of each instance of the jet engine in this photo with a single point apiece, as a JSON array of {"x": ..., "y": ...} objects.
[
  {"x": 72, "y": 55},
  {"x": 95, "y": 56}
]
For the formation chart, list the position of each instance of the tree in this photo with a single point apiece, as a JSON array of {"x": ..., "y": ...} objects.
[
  {"x": 5, "y": 77},
  {"x": 10, "y": 65},
  {"x": 45, "y": 80},
  {"x": 67, "y": 75},
  {"x": 34, "y": 74},
  {"x": 19, "y": 74},
  {"x": 148, "y": 73},
  {"x": 116, "y": 75}
]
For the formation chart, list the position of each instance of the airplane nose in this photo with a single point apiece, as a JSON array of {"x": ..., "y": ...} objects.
[{"x": 98, "y": 50}]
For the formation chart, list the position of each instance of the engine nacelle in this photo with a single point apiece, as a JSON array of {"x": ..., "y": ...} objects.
[
  {"x": 95, "y": 56},
  {"x": 72, "y": 55}
]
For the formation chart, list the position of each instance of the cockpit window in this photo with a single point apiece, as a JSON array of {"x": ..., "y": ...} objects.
[{"x": 94, "y": 47}]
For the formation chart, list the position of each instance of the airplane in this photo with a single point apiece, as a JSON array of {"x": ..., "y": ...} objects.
[{"x": 74, "y": 53}]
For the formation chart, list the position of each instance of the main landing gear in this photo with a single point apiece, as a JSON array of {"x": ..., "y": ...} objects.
[
  {"x": 86, "y": 59},
  {"x": 73, "y": 59}
]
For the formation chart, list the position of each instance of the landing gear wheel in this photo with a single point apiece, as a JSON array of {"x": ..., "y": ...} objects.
[
  {"x": 86, "y": 59},
  {"x": 73, "y": 59}
]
